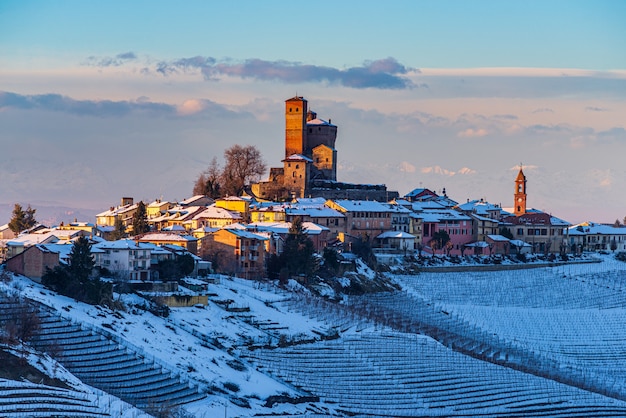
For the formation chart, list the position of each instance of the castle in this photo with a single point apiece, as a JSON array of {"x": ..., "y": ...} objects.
[{"x": 310, "y": 165}]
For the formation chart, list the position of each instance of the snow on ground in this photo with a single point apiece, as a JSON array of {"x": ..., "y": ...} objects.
[
  {"x": 48, "y": 366},
  {"x": 554, "y": 311},
  {"x": 199, "y": 343}
]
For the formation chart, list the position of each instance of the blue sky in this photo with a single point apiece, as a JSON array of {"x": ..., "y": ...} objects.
[{"x": 104, "y": 99}]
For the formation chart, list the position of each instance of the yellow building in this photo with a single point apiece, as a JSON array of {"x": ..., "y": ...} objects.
[
  {"x": 158, "y": 208},
  {"x": 235, "y": 204}
]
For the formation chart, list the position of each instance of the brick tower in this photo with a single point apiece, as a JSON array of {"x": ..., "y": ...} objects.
[
  {"x": 295, "y": 126},
  {"x": 520, "y": 193}
]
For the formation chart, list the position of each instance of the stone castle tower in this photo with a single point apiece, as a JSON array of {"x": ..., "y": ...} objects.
[
  {"x": 310, "y": 164},
  {"x": 309, "y": 148},
  {"x": 520, "y": 193}
]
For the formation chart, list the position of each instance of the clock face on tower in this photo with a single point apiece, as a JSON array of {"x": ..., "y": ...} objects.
[{"x": 519, "y": 199}]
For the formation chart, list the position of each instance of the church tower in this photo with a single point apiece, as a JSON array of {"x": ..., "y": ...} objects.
[
  {"x": 295, "y": 126},
  {"x": 520, "y": 193}
]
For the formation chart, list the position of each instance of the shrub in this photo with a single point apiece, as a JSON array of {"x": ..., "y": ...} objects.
[{"x": 233, "y": 387}]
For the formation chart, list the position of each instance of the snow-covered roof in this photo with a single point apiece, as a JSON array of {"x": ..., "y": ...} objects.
[
  {"x": 363, "y": 206},
  {"x": 298, "y": 157},
  {"x": 478, "y": 244},
  {"x": 498, "y": 238},
  {"x": 166, "y": 237},
  {"x": 309, "y": 228},
  {"x": 318, "y": 122},
  {"x": 443, "y": 215},
  {"x": 174, "y": 228},
  {"x": 121, "y": 244},
  {"x": 317, "y": 212},
  {"x": 311, "y": 201},
  {"x": 245, "y": 234},
  {"x": 63, "y": 250},
  {"x": 33, "y": 239},
  {"x": 592, "y": 228},
  {"x": 396, "y": 234},
  {"x": 215, "y": 212},
  {"x": 429, "y": 204},
  {"x": 480, "y": 207}
]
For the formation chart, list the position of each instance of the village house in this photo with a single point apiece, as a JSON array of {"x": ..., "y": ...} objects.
[
  {"x": 188, "y": 242},
  {"x": 365, "y": 219},
  {"x": 316, "y": 211},
  {"x": 124, "y": 212},
  {"x": 158, "y": 208},
  {"x": 125, "y": 259},
  {"x": 277, "y": 233},
  {"x": 457, "y": 225},
  {"x": 34, "y": 261},
  {"x": 591, "y": 236},
  {"x": 235, "y": 204},
  {"x": 177, "y": 216},
  {"x": 268, "y": 212},
  {"x": 215, "y": 217},
  {"x": 238, "y": 252}
]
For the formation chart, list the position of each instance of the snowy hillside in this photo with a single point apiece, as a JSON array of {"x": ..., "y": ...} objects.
[{"x": 536, "y": 342}]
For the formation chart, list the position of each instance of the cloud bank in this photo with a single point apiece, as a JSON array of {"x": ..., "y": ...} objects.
[{"x": 385, "y": 73}]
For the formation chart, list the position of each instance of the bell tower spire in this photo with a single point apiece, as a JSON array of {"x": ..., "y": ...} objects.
[{"x": 520, "y": 193}]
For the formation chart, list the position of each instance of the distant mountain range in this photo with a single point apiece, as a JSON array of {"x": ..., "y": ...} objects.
[{"x": 51, "y": 215}]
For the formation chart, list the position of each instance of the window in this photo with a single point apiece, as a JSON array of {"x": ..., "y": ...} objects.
[{"x": 520, "y": 231}]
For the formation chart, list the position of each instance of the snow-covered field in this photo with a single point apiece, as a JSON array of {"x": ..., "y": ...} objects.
[{"x": 536, "y": 342}]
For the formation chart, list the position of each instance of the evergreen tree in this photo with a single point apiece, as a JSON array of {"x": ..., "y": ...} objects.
[
  {"x": 22, "y": 219},
  {"x": 140, "y": 220},
  {"x": 506, "y": 232},
  {"x": 440, "y": 239},
  {"x": 74, "y": 279},
  {"x": 119, "y": 230},
  {"x": 81, "y": 261},
  {"x": 298, "y": 252}
]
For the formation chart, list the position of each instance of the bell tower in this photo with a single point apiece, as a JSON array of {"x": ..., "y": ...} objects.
[
  {"x": 295, "y": 126},
  {"x": 520, "y": 193}
]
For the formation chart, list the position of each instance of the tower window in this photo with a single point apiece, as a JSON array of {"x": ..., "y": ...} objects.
[
  {"x": 297, "y": 109},
  {"x": 297, "y": 166},
  {"x": 290, "y": 109}
]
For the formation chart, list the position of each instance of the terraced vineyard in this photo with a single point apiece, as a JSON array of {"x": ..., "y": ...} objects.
[{"x": 538, "y": 342}]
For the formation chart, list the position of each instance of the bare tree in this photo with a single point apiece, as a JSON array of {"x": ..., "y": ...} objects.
[
  {"x": 209, "y": 181},
  {"x": 243, "y": 166}
]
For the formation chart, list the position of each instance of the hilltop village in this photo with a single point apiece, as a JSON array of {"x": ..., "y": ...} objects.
[
  {"x": 308, "y": 296},
  {"x": 238, "y": 234}
]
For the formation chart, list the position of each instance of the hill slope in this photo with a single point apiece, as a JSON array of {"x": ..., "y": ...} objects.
[{"x": 541, "y": 342}]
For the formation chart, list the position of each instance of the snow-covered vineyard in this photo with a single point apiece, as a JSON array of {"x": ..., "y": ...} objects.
[{"x": 540, "y": 342}]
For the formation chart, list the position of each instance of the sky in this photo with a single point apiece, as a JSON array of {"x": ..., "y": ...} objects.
[{"x": 105, "y": 99}]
